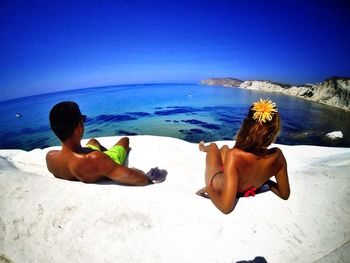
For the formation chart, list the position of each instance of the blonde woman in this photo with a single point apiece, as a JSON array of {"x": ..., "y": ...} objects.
[{"x": 242, "y": 170}]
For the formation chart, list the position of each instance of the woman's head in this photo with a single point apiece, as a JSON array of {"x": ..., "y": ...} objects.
[{"x": 260, "y": 128}]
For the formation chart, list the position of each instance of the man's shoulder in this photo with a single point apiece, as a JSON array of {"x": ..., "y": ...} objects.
[
  {"x": 52, "y": 153},
  {"x": 52, "y": 158},
  {"x": 58, "y": 165}
]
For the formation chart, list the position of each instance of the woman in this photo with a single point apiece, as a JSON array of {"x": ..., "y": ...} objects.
[{"x": 242, "y": 170}]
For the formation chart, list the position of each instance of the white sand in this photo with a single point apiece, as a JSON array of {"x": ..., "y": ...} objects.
[{"x": 44, "y": 219}]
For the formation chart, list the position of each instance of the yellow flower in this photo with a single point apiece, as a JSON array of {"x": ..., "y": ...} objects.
[{"x": 264, "y": 110}]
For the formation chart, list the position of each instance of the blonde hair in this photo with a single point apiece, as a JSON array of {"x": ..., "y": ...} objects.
[{"x": 255, "y": 135}]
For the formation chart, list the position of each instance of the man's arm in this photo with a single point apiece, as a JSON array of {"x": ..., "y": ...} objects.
[{"x": 96, "y": 165}]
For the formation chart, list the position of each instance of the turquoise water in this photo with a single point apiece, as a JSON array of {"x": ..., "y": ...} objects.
[{"x": 187, "y": 111}]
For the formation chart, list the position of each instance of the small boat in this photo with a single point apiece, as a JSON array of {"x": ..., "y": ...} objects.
[{"x": 18, "y": 115}]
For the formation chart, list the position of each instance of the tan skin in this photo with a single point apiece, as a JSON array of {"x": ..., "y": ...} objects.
[
  {"x": 242, "y": 171},
  {"x": 74, "y": 162}
]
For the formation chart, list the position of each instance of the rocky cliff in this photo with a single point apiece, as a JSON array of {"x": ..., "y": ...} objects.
[
  {"x": 227, "y": 82},
  {"x": 334, "y": 91}
]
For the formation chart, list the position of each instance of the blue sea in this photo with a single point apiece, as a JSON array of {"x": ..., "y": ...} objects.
[{"x": 191, "y": 112}]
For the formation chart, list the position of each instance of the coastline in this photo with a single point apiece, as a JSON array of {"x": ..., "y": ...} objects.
[
  {"x": 334, "y": 92},
  {"x": 72, "y": 221}
]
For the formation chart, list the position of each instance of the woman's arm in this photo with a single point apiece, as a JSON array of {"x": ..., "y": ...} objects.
[
  {"x": 281, "y": 186},
  {"x": 225, "y": 200}
]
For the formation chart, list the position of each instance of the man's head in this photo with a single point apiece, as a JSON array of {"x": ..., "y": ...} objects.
[{"x": 64, "y": 118}]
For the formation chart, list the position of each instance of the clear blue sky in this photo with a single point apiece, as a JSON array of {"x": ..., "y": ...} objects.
[{"x": 47, "y": 46}]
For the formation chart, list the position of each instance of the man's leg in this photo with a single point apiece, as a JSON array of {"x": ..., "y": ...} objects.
[
  {"x": 96, "y": 143},
  {"x": 119, "y": 151},
  {"x": 124, "y": 142}
]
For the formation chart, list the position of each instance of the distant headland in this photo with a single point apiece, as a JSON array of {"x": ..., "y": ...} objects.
[{"x": 333, "y": 91}]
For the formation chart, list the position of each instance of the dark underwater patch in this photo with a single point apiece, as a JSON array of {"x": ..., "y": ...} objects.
[
  {"x": 225, "y": 120},
  {"x": 37, "y": 143},
  {"x": 172, "y": 112},
  {"x": 127, "y": 133},
  {"x": 139, "y": 114},
  {"x": 210, "y": 126},
  {"x": 230, "y": 121},
  {"x": 94, "y": 130},
  {"x": 13, "y": 144},
  {"x": 197, "y": 131},
  {"x": 219, "y": 108},
  {"x": 202, "y": 124},
  {"x": 114, "y": 118},
  {"x": 175, "y": 110},
  {"x": 88, "y": 120},
  {"x": 194, "y": 121},
  {"x": 30, "y": 130},
  {"x": 194, "y": 135},
  {"x": 191, "y": 131},
  {"x": 9, "y": 134}
]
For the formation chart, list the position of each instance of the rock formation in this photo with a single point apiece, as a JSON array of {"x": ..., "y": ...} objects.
[
  {"x": 333, "y": 91},
  {"x": 227, "y": 82}
]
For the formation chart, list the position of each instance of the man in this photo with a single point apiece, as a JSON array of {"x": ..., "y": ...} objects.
[{"x": 92, "y": 162}]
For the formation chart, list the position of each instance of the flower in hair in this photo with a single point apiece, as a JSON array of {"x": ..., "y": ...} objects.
[{"x": 264, "y": 110}]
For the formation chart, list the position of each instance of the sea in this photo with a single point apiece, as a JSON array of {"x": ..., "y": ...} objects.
[{"x": 191, "y": 112}]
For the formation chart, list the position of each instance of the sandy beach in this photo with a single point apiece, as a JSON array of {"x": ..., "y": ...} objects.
[{"x": 45, "y": 219}]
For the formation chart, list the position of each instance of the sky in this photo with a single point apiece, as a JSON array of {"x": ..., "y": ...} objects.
[{"x": 48, "y": 46}]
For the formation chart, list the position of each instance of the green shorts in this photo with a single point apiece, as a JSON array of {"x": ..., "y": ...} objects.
[{"x": 117, "y": 152}]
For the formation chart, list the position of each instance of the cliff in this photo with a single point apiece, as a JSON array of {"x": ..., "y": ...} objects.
[
  {"x": 333, "y": 91},
  {"x": 227, "y": 82}
]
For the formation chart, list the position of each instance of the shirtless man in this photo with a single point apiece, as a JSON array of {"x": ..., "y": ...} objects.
[
  {"x": 92, "y": 162},
  {"x": 242, "y": 170}
]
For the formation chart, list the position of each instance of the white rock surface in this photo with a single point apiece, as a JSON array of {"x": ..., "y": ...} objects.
[
  {"x": 335, "y": 135},
  {"x": 45, "y": 219}
]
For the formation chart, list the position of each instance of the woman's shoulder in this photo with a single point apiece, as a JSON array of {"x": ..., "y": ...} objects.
[
  {"x": 277, "y": 155},
  {"x": 275, "y": 151},
  {"x": 238, "y": 154}
]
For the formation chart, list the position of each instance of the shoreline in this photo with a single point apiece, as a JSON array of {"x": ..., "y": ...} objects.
[
  {"x": 332, "y": 92},
  {"x": 167, "y": 222}
]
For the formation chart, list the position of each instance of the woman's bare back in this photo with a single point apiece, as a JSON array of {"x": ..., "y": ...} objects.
[{"x": 253, "y": 170}]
